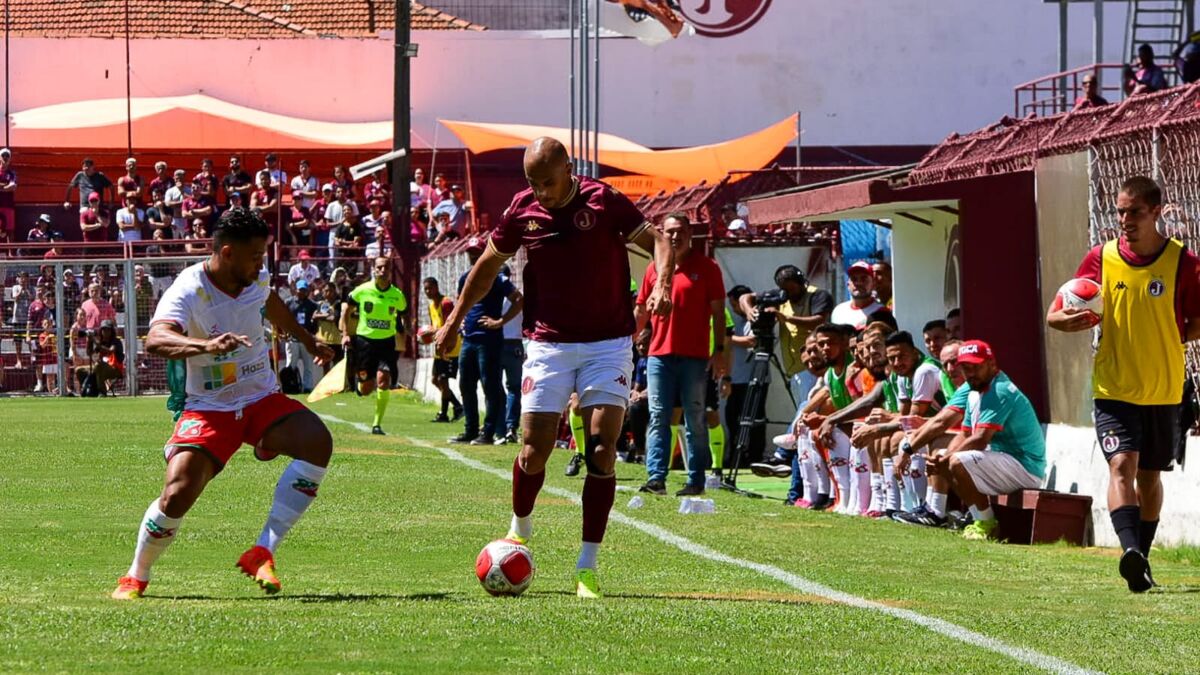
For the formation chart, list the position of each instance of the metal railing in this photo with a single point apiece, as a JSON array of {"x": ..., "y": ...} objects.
[{"x": 1052, "y": 94}]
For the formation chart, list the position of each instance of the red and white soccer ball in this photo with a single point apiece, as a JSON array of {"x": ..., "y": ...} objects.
[
  {"x": 426, "y": 334},
  {"x": 1082, "y": 294},
  {"x": 505, "y": 567}
]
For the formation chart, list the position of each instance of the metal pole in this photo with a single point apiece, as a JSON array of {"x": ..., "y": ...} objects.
[
  {"x": 585, "y": 88},
  {"x": 1062, "y": 53},
  {"x": 401, "y": 138},
  {"x": 1098, "y": 39},
  {"x": 596, "y": 97},
  {"x": 571, "y": 78},
  {"x": 131, "y": 345},
  {"x": 58, "y": 327},
  {"x": 799, "y": 178},
  {"x": 7, "y": 144},
  {"x": 128, "y": 87}
]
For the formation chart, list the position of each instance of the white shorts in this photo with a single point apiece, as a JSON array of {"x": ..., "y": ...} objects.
[
  {"x": 600, "y": 371},
  {"x": 996, "y": 473},
  {"x": 49, "y": 369}
]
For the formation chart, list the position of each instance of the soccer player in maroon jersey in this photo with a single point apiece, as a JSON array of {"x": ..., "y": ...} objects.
[{"x": 574, "y": 230}]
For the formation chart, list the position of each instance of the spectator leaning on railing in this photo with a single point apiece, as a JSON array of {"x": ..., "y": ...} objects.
[
  {"x": 1089, "y": 96},
  {"x": 1145, "y": 76},
  {"x": 88, "y": 181}
]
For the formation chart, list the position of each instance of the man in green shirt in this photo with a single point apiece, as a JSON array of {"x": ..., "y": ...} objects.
[
  {"x": 999, "y": 450},
  {"x": 373, "y": 340}
]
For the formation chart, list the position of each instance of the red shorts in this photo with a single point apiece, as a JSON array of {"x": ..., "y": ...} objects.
[{"x": 220, "y": 434}]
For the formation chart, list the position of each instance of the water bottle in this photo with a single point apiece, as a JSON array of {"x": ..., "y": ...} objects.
[{"x": 636, "y": 502}]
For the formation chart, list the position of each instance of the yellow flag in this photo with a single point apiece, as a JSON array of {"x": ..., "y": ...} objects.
[{"x": 334, "y": 382}]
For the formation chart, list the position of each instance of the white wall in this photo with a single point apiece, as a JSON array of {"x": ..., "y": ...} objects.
[
  {"x": 862, "y": 72},
  {"x": 919, "y": 269}
]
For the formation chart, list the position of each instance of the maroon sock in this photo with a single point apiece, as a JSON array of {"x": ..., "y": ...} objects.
[
  {"x": 598, "y": 495},
  {"x": 525, "y": 489}
]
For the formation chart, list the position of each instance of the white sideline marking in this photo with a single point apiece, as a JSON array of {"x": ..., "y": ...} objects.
[{"x": 951, "y": 630}]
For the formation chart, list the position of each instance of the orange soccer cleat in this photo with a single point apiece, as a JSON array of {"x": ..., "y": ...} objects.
[
  {"x": 129, "y": 588},
  {"x": 259, "y": 565}
]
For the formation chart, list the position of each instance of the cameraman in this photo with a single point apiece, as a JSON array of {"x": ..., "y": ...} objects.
[{"x": 805, "y": 308}]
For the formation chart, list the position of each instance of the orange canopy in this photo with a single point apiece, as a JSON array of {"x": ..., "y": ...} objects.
[
  {"x": 685, "y": 165},
  {"x": 194, "y": 121}
]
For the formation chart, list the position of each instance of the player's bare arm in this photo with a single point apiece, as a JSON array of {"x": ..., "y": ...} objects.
[
  {"x": 719, "y": 362},
  {"x": 652, "y": 241},
  {"x": 479, "y": 282},
  {"x": 282, "y": 319},
  {"x": 859, "y": 408},
  {"x": 516, "y": 304},
  {"x": 1073, "y": 319},
  {"x": 931, "y": 430},
  {"x": 167, "y": 341},
  {"x": 347, "y": 324}
]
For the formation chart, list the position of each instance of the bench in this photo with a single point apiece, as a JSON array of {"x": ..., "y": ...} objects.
[{"x": 1043, "y": 517}]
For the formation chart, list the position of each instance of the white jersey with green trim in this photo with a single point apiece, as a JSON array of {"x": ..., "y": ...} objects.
[{"x": 224, "y": 382}]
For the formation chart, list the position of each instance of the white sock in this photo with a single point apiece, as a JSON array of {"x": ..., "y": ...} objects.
[
  {"x": 860, "y": 491},
  {"x": 877, "y": 496},
  {"x": 982, "y": 514},
  {"x": 839, "y": 464},
  {"x": 295, "y": 491},
  {"x": 937, "y": 504},
  {"x": 890, "y": 488},
  {"x": 919, "y": 478},
  {"x": 587, "y": 556},
  {"x": 808, "y": 470},
  {"x": 154, "y": 536},
  {"x": 822, "y": 470},
  {"x": 523, "y": 526}
]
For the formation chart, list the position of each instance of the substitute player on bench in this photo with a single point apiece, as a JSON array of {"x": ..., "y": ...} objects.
[
  {"x": 574, "y": 230},
  {"x": 212, "y": 316}
]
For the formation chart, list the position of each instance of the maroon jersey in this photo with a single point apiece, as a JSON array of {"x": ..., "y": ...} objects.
[{"x": 577, "y": 270}]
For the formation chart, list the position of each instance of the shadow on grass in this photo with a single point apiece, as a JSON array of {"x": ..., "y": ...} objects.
[
  {"x": 748, "y": 597},
  {"x": 318, "y": 597}
]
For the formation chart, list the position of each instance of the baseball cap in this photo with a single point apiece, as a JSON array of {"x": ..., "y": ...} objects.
[
  {"x": 455, "y": 187},
  {"x": 45, "y": 218},
  {"x": 861, "y": 266},
  {"x": 304, "y": 255},
  {"x": 328, "y": 187},
  {"x": 975, "y": 352},
  {"x": 475, "y": 244},
  {"x": 108, "y": 323},
  {"x": 302, "y": 285},
  {"x": 94, "y": 195},
  {"x": 69, "y": 271}
]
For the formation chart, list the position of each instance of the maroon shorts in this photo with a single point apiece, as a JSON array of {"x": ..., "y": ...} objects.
[{"x": 220, "y": 434}]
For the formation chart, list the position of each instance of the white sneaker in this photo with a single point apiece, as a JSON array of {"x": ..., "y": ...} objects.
[
  {"x": 785, "y": 441},
  {"x": 39, "y": 388}
]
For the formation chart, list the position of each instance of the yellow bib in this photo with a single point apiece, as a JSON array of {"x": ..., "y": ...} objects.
[
  {"x": 437, "y": 320},
  {"x": 1139, "y": 359}
]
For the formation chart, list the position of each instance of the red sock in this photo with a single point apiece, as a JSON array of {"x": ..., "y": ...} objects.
[
  {"x": 525, "y": 489},
  {"x": 598, "y": 496}
]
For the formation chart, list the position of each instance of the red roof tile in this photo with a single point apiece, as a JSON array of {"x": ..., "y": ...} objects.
[{"x": 219, "y": 18}]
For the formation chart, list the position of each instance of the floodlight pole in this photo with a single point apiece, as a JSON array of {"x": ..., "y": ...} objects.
[{"x": 7, "y": 122}]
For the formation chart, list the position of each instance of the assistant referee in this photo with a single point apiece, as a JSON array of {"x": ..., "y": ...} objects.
[{"x": 380, "y": 306}]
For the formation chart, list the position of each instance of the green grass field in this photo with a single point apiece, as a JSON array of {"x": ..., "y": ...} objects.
[{"x": 379, "y": 574}]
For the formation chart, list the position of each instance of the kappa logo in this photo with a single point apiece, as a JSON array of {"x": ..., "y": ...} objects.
[
  {"x": 533, "y": 226},
  {"x": 622, "y": 380},
  {"x": 722, "y": 18},
  {"x": 1156, "y": 288},
  {"x": 527, "y": 385},
  {"x": 585, "y": 219},
  {"x": 1121, "y": 286},
  {"x": 1110, "y": 443}
]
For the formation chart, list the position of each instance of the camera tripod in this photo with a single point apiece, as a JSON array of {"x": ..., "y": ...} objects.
[{"x": 756, "y": 395}]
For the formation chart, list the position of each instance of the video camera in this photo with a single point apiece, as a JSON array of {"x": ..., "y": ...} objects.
[{"x": 765, "y": 323}]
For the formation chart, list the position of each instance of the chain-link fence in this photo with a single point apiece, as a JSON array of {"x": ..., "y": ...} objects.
[
  {"x": 448, "y": 269},
  {"x": 71, "y": 320},
  {"x": 510, "y": 14}
]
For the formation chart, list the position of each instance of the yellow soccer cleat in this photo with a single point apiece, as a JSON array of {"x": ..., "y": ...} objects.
[
  {"x": 129, "y": 588},
  {"x": 259, "y": 565},
  {"x": 586, "y": 584},
  {"x": 980, "y": 530},
  {"x": 513, "y": 536}
]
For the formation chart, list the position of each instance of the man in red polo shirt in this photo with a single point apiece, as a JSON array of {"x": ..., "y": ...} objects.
[
  {"x": 574, "y": 230},
  {"x": 679, "y": 357}
]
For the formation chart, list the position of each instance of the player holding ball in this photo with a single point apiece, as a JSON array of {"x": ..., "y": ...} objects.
[{"x": 1150, "y": 287}]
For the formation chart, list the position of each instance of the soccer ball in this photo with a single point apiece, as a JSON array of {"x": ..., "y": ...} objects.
[
  {"x": 426, "y": 334},
  {"x": 1082, "y": 294},
  {"x": 505, "y": 567}
]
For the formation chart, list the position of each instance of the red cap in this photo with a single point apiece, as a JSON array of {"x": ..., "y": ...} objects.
[
  {"x": 304, "y": 255},
  {"x": 476, "y": 244},
  {"x": 975, "y": 352},
  {"x": 94, "y": 195},
  {"x": 862, "y": 266}
]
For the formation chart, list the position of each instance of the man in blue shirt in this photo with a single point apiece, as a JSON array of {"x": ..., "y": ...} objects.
[
  {"x": 481, "y": 354},
  {"x": 456, "y": 208},
  {"x": 1000, "y": 448}
]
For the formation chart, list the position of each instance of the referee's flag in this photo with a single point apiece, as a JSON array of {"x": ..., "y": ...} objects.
[{"x": 334, "y": 382}]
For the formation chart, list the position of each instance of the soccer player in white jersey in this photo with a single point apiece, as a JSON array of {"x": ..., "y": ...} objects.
[{"x": 212, "y": 316}]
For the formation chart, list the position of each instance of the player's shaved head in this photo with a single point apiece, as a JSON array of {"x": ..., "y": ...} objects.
[{"x": 548, "y": 170}]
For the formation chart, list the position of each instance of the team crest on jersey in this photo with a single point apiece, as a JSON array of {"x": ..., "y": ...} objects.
[
  {"x": 189, "y": 428},
  {"x": 585, "y": 219},
  {"x": 1110, "y": 443},
  {"x": 527, "y": 385},
  {"x": 1157, "y": 287}
]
